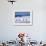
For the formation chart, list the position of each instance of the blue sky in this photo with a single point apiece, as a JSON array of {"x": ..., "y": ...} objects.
[{"x": 20, "y": 14}]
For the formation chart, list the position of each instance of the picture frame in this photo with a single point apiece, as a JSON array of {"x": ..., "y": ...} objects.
[{"x": 23, "y": 18}]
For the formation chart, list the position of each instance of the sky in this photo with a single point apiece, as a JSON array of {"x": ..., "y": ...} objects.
[{"x": 20, "y": 14}]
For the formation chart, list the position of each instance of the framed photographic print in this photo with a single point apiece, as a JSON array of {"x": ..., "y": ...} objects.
[{"x": 23, "y": 18}]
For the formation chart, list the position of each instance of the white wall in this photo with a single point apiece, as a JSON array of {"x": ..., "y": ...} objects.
[{"x": 37, "y": 30}]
